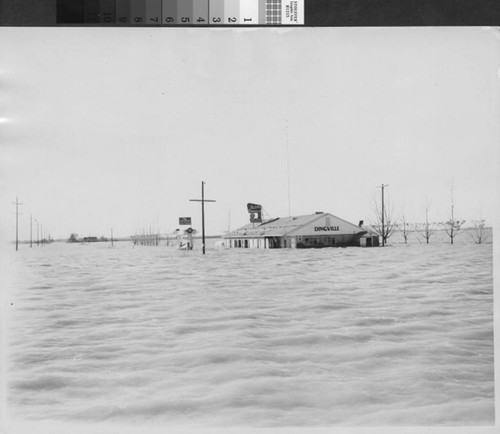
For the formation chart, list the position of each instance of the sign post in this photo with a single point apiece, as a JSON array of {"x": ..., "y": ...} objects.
[{"x": 202, "y": 200}]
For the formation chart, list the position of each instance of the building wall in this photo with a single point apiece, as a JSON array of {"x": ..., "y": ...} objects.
[
  {"x": 308, "y": 241},
  {"x": 305, "y": 242},
  {"x": 248, "y": 243}
]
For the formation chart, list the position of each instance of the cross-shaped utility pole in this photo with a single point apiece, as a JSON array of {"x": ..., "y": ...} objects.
[{"x": 202, "y": 200}]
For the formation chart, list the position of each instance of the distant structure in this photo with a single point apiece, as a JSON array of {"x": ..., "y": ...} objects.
[
  {"x": 73, "y": 238},
  {"x": 185, "y": 238},
  {"x": 149, "y": 239},
  {"x": 308, "y": 231}
]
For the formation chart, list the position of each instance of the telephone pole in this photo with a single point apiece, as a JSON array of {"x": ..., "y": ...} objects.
[
  {"x": 383, "y": 215},
  {"x": 111, "y": 237},
  {"x": 202, "y": 200},
  {"x": 288, "y": 166},
  {"x": 31, "y": 230},
  {"x": 17, "y": 203}
]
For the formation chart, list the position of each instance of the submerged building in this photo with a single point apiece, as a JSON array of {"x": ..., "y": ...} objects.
[{"x": 307, "y": 231}]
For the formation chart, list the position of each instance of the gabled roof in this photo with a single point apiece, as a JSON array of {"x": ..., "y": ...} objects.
[{"x": 278, "y": 227}]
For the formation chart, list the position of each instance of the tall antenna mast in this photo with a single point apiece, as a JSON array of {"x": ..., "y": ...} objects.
[{"x": 287, "y": 165}]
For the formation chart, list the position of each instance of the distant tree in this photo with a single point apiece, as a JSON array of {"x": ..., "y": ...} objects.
[
  {"x": 73, "y": 238},
  {"x": 452, "y": 226},
  {"x": 478, "y": 232},
  {"x": 405, "y": 228},
  {"x": 384, "y": 225},
  {"x": 427, "y": 228}
]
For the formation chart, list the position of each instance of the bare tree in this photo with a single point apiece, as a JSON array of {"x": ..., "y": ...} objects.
[
  {"x": 427, "y": 228},
  {"x": 478, "y": 231},
  {"x": 385, "y": 225},
  {"x": 405, "y": 228},
  {"x": 452, "y": 226}
]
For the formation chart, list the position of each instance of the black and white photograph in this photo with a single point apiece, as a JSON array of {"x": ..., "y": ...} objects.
[{"x": 248, "y": 229}]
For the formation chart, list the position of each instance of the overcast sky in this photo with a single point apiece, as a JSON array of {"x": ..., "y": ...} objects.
[{"x": 117, "y": 128}]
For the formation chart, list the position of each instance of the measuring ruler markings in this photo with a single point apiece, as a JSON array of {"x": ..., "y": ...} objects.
[
  {"x": 249, "y": 12},
  {"x": 232, "y": 12},
  {"x": 216, "y": 9},
  {"x": 153, "y": 12},
  {"x": 122, "y": 11},
  {"x": 169, "y": 11},
  {"x": 91, "y": 12},
  {"x": 138, "y": 12},
  {"x": 200, "y": 12},
  {"x": 185, "y": 12},
  {"x": 191, "y": 12},
  {"x": 107, "y": 11}
]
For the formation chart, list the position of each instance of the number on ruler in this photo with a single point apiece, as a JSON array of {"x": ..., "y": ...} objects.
[
  {"x": 138, "y": 19},
  {"x": 185, "y": 19},
  {"x": 247, "y": 19},
  {"x": 169, "y": 19},
  {"x": 122, "y": 19},
  {"x": 231, "y": 19},
  {"x": 200, "y": 20},
  {"x": 154, "y": 19},
  {"x": 216, "y": 20}
]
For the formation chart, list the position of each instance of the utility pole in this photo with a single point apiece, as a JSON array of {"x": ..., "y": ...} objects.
[
  {"x": 383, "y": 215},
  {"x": 31, "y": 230},
  {"x": 202, "y": 200},
  {"x": 111, "y": 237},
  {"x": 17, "y": 203},
  {"x": 288, "y": 166}
]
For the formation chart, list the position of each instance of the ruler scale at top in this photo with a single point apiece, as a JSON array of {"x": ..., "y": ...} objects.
[{"x": 184, "y": 12}]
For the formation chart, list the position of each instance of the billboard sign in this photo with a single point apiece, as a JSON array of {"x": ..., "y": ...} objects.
[
  {"x": 253, "y": 207},
  {"x": 184, "y": 220}
]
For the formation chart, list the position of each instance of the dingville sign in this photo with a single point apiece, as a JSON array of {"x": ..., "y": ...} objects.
[{"x": 326, "y": 228}]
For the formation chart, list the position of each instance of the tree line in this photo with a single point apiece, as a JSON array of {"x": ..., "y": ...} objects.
[{"x": 386, "y": 224}]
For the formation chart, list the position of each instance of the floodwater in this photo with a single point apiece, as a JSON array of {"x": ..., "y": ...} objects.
[{"x": 153, "y": 336}]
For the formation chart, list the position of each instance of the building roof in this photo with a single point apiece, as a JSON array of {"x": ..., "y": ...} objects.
[{"x": 281, "y": 226}]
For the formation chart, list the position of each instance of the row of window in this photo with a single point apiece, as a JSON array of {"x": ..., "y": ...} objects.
[
  {"x": 306, "y": 241},
  {"x": 238, "y": 243},
  {"x": 315, "y": 241}
]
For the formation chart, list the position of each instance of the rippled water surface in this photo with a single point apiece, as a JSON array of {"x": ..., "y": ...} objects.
[{"x": 401, "y": 335}]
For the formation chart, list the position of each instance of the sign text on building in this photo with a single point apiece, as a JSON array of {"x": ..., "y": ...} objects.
[{"x": 326, "y": 228}]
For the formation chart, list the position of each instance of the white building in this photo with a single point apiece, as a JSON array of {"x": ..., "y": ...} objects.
[{"x": 308, "y": 231}]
